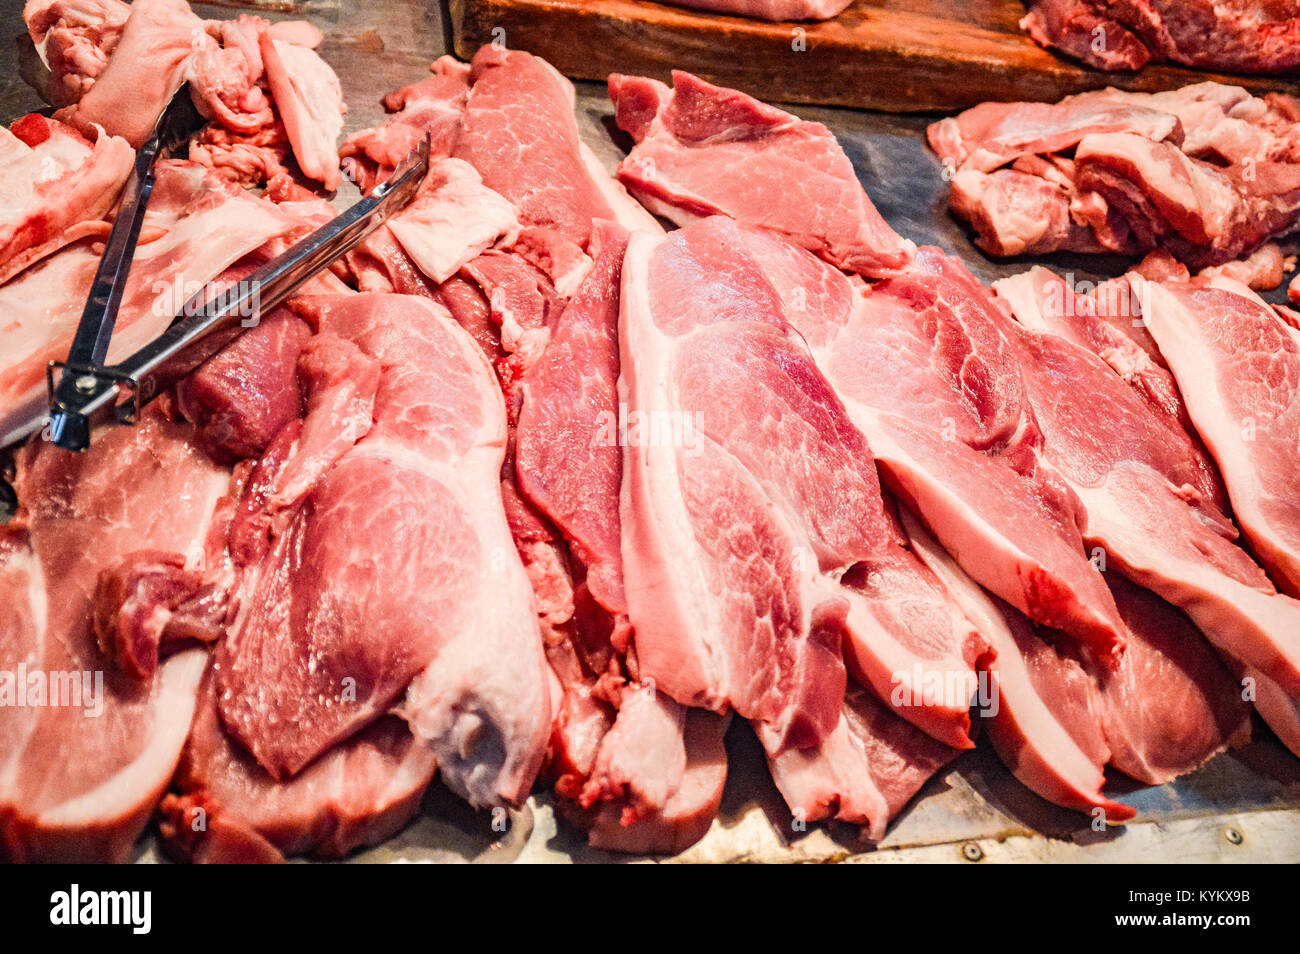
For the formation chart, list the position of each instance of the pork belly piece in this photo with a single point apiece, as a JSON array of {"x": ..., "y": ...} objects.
[
  {"x": 1241, "y": 366},
  {"x": 80, "y": 774},
  {"x": 1085, "y": 30},
  {"x": 1261, "y": 270},
  {"x": 264, "y": 90},
  {"x": 703, "y": 150},
  {"x": 1015, "y": 212},
  {"x": 404, "y": 434},
  {"x": 54, "y": 180}
]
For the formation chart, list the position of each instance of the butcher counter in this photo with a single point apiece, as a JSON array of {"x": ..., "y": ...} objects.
[{"x": 1243, "y": 806}]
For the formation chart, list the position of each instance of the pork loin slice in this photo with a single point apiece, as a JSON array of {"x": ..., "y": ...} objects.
[
  {"x": 934, "y": 383},
  {"x": 1135, "y": 473},
  {"x": 1241, "y": 366},
  {"x": 1042, "y": 715},
  {"x": 732, "y": 548},
  {"x": 520, "y": 133},
  {"x": 703, "y": 150},
  {"x": 635, "y": 769},
  {"x": 1171, "y": 705},
  {"x": 337, "y": 621},
  {"x": 79, "y": 780},
  {"x": 1102, "y": 323}
]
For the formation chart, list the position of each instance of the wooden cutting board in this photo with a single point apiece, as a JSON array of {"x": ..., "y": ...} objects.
[{"x": 892, "y": 55}]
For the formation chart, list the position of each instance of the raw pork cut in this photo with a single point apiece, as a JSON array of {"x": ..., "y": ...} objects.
[
  {"x": 1045, "y": 726},
  {"x": 432, "y": 107},
  {"x": 264, "y": 90},
  {"x": 360, "y": 626},
  {"x": 452, "y": 219},
  {"x": 518, "y": 122},
  {"x": 931, "y": 379},
  {"x": 149, "y": 64},
  {"x": 864, "y": 772},
  {"x": 720, "y": 527},
  {"x": 632, "y": 767},
  {"x": 310, "y": 102},
  {"x": 703, "y": 150},
  {"x": 902, "y": 633},
  {"x": 1102, "y": 323},
  {"x": 54, "y": 180},
  {"x": 725, "y": 547},
  {"x": 78, "y": 784},
  {"x": 1171, "y": 705},
  {"x": 1241, "y": 366},
  {"x": 75, "y": 39},
  {"x": 229, "y": 810},
  {"x": 1136, "y": 474},
  {"x": 1207, "y": 171},
  {"x": 1238, "y": 36}
]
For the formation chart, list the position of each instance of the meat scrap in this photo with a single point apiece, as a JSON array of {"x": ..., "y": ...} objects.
[
  {"x": 1237, "y": 36},
  {"x": 265, "y": 91},
  {"x": 1208, "y": 172}
]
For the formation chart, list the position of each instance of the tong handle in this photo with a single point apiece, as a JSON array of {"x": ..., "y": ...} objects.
[
  {"x": 87, "y": 388},
  {"x": 69, "y": 427}
]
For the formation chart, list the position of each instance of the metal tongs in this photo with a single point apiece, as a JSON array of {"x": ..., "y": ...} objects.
[{"x": 88, "y": 390}]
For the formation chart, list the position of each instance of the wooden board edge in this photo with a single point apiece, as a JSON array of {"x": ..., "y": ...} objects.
[{"x": 584, "y": 40}]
